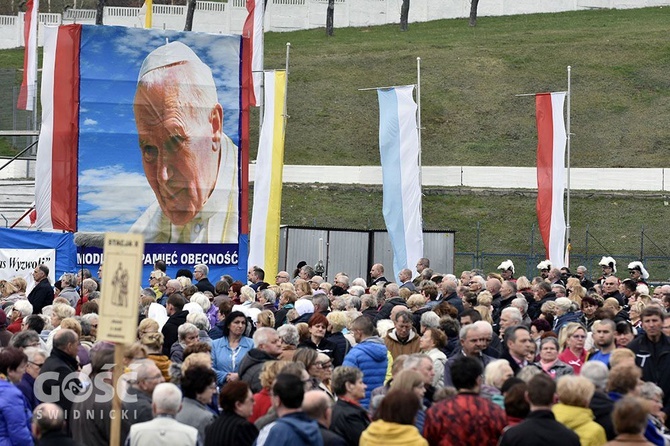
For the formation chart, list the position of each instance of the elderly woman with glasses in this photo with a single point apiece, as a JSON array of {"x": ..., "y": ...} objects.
[
  {"x": 572, "y": 338},
  {"x": 36, "y": 357},
  {"x": 20, "y": 310},
  {"x": 319, "y": 366}
]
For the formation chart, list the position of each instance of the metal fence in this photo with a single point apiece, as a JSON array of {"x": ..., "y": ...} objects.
[
  {"x": 354, "y": 252},
  {"x": 12, "y": 119}
]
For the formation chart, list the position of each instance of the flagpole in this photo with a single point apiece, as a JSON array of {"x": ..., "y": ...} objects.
[
  {"x": 567, "y": 212},
  {"x": 285, "y": 112},
  {"x": 418, "y": 126},
  {"x": 261, "y": 100},
  {"x": 36, "y": 55}
]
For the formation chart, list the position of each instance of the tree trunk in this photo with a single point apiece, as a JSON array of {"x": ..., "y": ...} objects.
[
  {"x": 404, "y": 15},
  {"x": 330, "y": 17},
  {"x": 99, "y": 12},
  {"x": 473, "y": 12},
  {"x": 190, "y": 11}
]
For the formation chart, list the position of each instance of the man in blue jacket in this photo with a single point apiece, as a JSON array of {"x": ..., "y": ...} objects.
[
  {"x": 293, "y": 427},
  {"x": 370, "y": 355}
]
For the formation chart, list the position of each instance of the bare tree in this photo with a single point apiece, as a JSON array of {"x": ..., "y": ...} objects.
[
  {"x": 99, "y": 12},
  {"x": 190, "y": 11},
  {"x": 404, "y": 15},
  {"x": 330, "y": 17},
  {"x": 473, "y": 12}
]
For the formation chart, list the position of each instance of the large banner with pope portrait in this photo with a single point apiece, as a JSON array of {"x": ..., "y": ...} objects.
[{"x": 146, "y": 131}]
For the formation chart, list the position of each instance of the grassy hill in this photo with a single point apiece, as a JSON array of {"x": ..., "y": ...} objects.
[
  {"x": 470, "y": 115},
  {"x": 620, "y": 103}
]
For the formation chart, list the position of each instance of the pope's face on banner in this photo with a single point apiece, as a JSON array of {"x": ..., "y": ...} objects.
[{"x": 180, "y": 141}]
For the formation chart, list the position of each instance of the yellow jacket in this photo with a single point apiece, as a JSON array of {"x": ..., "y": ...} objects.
[
  {"x": 580, "y": 420},
  {"x": 382, "y": 433}
]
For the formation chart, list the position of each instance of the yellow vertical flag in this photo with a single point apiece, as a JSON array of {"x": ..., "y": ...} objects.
[
  {"x": 148, "y": 18},
  {"x": 266, "y": 210}
]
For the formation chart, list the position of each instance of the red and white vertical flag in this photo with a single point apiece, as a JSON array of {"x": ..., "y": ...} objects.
[
  {"x": 29, "y": 84},
  {"x": 56, "y": 166},
  {"x": 253, "y": 29},
  {"x": 551, "y": 141}
]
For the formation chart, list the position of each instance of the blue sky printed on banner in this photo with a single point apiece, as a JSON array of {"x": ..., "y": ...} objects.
[{"x": 113, "y": 191}]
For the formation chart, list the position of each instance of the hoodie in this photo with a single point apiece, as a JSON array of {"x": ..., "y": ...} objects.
[
  {"x": 294, "y": 429},
  {"x": 382, "y": 433},
  {"x": 251, "y": 366},
  {"x": 580, "y": 420},
  {"x": 371, "y": 357}
]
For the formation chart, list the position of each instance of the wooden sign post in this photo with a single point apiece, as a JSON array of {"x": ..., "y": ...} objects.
[{"x": 121, "y": 282}]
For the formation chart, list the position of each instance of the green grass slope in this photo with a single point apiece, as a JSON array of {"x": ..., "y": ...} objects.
[{"x": 621, "y": 88}]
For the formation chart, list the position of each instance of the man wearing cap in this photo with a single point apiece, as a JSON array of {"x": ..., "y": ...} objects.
[
  {"x": 506, "y": 269},
  {"x": 544, "y": 267},
  {"x": 638, "y": 273},
  {"x": 190, "y": 164},
  {"x": 608, "y": 265}
]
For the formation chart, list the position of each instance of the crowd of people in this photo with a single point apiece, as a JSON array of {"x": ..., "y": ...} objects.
[{"x": 479, "y": 359}]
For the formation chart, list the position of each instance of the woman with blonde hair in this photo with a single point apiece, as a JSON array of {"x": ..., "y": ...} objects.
[
  {"x": 574, "y": 395},
  {"x": 635, "y": 311},
  {"x": 154, "y": 345},
  {"x": 431, "y": 343},
  {"x": 495, "y": 375},
  {"x": 147, "y": 326},
  {"x": 263, "y": 399},
  {"x": 576, "y": 292},
  {"x": 415, "y": 302},
  {"x": 247, "y": 296},
  {"x": 572, "y": 338},
  {"x": 337, "y": 321},
  {"x": 266, "y": 318},
  {"x": 302, "y": 289},
  {"x": 412, "y": 381},
  {"x": 185, "y": 281},
  {"x": 9, "y": 293}
]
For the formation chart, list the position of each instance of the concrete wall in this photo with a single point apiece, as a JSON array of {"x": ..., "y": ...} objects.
[{"x": 291, "y": 15}]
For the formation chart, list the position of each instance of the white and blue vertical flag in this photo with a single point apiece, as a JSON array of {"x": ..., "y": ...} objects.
[{"x": 401, "y": 179}]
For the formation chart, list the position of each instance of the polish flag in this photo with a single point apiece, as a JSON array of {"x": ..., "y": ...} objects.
[
  {"x": 29, "y": 84},
  {"x": 56, "y": 166},
  {"x": 253, "y": 30},
  {"x": 551, "y": 141}
]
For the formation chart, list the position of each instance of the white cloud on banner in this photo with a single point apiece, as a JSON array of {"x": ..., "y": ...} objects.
[{"x": 113, "y": 198}]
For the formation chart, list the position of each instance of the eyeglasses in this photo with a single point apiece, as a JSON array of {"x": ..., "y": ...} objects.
[
  {"x": 36, "y": 364},
  {"x": 323, "y": 365}
]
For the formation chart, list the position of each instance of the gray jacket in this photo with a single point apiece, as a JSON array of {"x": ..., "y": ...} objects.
[{"x": 196, "y": 414}]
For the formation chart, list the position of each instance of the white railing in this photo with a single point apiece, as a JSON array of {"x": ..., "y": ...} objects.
[
  {"x": 210, "y": 6},
  {"x": 170, "y": 10},
  {"x": 50, "y": 18},
  {"x": 79, "y": 14},
  {"x": 7, "y": 20},
  {"x": 290, "y": 15},
  {"x": 289, "y": 2},
  {"x": 118, "y": 11}
]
